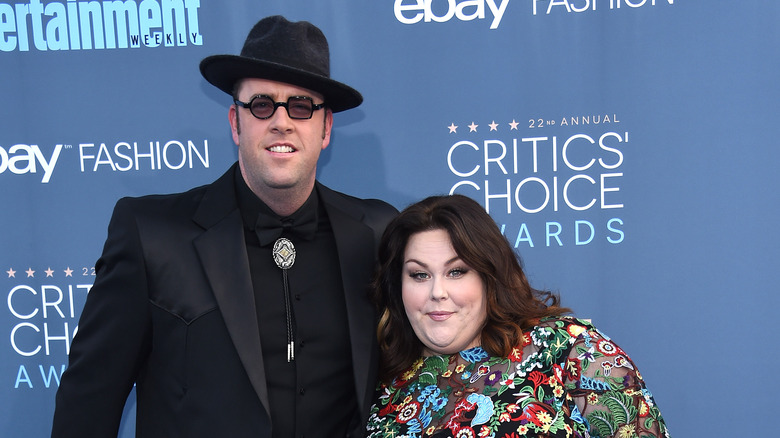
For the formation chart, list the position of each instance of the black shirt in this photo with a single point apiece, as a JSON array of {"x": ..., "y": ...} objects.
[{"x": 313, "y": 395}]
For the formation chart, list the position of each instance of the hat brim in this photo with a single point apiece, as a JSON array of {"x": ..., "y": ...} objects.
[{"x": 223, "y": 71}]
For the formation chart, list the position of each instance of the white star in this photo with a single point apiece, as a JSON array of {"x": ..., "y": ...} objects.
[
  {"x": 473, "y": 127},
  {"x": 30, "y": 272},
  {"x": 493, "y": 126},
  {"x": 453, "y": 128},
  {"x": 68, "y": 272},
  {"x": 513, "y": 125},
  {"x": 11, "y": 273},
  {"x": 49, "y": 272}
]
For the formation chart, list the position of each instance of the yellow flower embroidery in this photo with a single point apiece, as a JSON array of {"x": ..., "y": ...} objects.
[
  {"x": 544, "y": 418},
  {"x": 626, "y": 431},
  {"x": 575, "y": 330},
  {"x": 643, "y": 409},
  {"x": 415, "y": 366},
  {"x": 407, "y": 375}
]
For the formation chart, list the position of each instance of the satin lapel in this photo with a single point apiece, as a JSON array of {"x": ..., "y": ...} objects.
[
  {"x": 355, "y": 245},
  {"x": 222, "y": 252}
]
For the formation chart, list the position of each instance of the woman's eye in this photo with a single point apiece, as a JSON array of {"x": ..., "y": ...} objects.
[
  {"x": 458, "y": 272},
  {"x": 418, "y": 275}
]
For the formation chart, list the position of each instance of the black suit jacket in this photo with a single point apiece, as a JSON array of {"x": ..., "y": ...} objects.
[{"x": 172, "y": 310}]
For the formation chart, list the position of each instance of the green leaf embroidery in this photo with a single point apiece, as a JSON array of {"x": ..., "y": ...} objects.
[{"x": 602, "y": 421}]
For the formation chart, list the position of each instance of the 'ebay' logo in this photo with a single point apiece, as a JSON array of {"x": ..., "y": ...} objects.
[
  {"x": 411, "y": 12},
  {"x": 22, "y": 158}
]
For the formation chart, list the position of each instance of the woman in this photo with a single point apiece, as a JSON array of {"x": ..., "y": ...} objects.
[{"x": 470, "y": 349}]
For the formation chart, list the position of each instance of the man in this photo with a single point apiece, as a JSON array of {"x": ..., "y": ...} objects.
[{"x": 239, "y": 308}]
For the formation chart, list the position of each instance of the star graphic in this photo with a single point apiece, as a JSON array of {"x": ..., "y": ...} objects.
[
  {"x": 11, "y": 273},
  {"x": 513, "y": 125},
  {"x": 68, "y": 272},
  {"x": 453, "y": 128},
  {"x": 49, "y": 272},
  {"x": 30, "y": 272},
  {"x": 473, "y": 127},
  {"x": 493, "y": 126}
]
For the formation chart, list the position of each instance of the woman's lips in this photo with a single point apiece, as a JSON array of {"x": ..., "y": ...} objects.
[{"x": 439, "y": 316}]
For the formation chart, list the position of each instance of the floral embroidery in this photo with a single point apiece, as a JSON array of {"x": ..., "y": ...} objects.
[
  {"x": 567, "y": 380},
  {"x": 492, "y": 378},
  {"x": 408, "y": 412},
  {"x": 607, "y": 347},
  {"x": 516, "y": 355},
  {"x": 474, "y": 355}
]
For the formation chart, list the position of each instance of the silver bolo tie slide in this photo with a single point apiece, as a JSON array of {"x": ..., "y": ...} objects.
[{"x": 284, "y": 256}]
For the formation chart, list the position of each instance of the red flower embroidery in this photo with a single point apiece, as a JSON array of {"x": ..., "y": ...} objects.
[
  {"x": 557, "y": 373},
  {"x": 408, "y": 412},
  {"x": 607, "y": 347},
  {"x": 387, "y": 409},
  {"x": 530, "y": 413},
  {"x": 516, "y": 355},
  {"x": 538, "y": 378},
  {"x": 644, "y": 408},
  {"x": 461, "y": 407},
  {"x": 573, "y": 368}
]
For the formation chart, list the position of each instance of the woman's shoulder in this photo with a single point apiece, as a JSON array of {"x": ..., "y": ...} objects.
[
  {"x": 558, "y": 336},
  {"x": 573, "y": 326}
]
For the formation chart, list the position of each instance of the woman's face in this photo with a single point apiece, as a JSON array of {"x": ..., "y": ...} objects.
[{"x": 443, "y": 297}]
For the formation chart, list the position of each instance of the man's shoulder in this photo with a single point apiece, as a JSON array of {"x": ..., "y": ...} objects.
[
  {"x": 371, "y": 206},
  {"x": 374, "y": 213},
  {"x": 166, "y": 201},
  {"x": 181, "y": 202}
]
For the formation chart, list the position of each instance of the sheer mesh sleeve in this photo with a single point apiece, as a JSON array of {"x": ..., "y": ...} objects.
[{"x": 606, "y": 390}]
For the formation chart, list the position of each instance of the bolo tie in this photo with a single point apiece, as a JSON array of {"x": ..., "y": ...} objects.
[
  {"x": 284, "y": 256},
  {"x": 270, "y": 229}
]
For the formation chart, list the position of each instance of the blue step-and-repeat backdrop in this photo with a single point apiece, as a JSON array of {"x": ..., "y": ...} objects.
[{"x": 628, "y": 149}]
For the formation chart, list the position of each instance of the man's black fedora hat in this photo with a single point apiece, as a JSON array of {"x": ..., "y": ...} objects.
[{"x": 292, "y": 52}]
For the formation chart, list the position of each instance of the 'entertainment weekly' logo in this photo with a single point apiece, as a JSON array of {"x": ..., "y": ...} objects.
[
  {"x": 86, "y": 25},
  {"x": 123, "y": 156},
  {"x": 556, "y": 181}
]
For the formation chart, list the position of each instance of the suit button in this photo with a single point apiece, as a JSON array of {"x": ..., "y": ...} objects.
[
  {"x": 302, "y": 391},
  {"x": 297, "y": 297}
]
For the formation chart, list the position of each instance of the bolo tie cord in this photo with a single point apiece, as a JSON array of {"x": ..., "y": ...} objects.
[
  {"x": 284, "y": 256},
  {"x": 290, "y": 340}
]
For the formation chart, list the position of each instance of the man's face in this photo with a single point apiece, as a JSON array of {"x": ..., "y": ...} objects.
[{"x": 278, "y": 153}]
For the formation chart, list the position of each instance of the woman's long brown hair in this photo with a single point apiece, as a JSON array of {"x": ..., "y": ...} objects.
[{"x": 512, "y": 305}]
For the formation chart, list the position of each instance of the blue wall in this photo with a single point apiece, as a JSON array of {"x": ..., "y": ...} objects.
[{"x": 628, "y": 148}]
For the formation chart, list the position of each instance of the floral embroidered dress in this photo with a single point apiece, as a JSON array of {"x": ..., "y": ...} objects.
[{"x": 567, "y": 380}]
